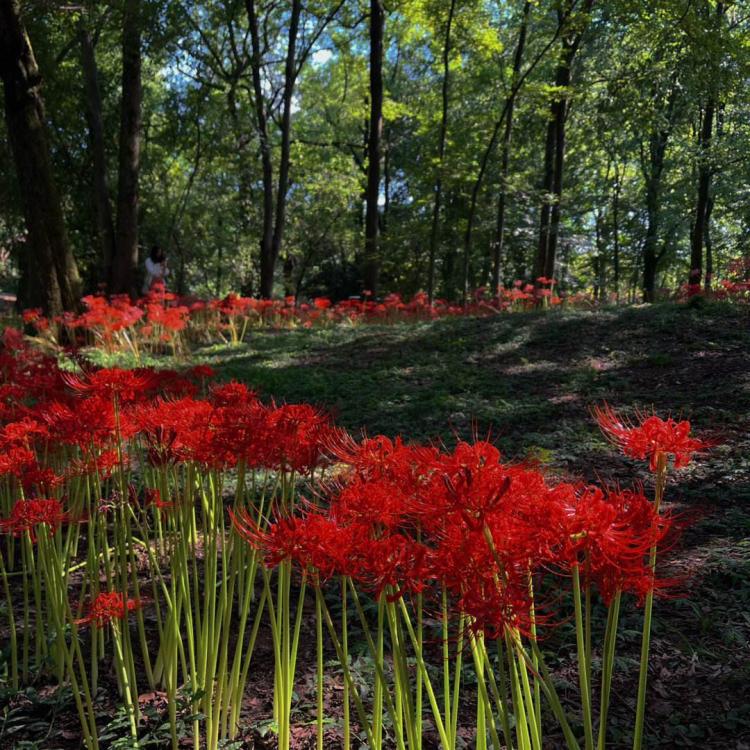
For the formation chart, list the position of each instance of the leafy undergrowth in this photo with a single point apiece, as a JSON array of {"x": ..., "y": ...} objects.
[{"x": 528, "y": 381}]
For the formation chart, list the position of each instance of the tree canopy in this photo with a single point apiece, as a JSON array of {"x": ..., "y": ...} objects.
[{"x": 280, "y": 148}]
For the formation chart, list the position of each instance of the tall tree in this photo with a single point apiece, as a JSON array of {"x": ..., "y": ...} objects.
[
  {"x": 50, "y": 276},
  {"x": 510, "y": 102},
  {"x": 105, "y": 229},
  {"x": 653, "y": 169},
  {"x": 554, "y": 151},
  {"x": 374, "y": 146},
  {"x": 125, "y": 262},
  {"x": 703, "y": 205},
  {"x": 440, "y": 152}
]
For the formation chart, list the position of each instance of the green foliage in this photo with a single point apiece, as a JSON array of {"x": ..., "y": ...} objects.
[{"x": 201, "y": 191}]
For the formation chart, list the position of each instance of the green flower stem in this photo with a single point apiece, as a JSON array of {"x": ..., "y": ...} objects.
[
  {"x": 522, "y": 727},
  {"x": 550, "y": 692},
  {"x": 347, "y": 674},
  {"x": 500, "y": 696},
  {"x": 11, "y": 625},
  {"x": 417, "y": 645},
  {"x": 457, "y": 673},
  {"x": 483, "y": 697},
  {"x": 640, "y": 714},
  {"x": 608, "y": 659},
  {"x": 122, "y": 672},
  {"x": 319, "y": 671},
  {"x": 376, "y": 654},
  {"x": 345, "y": 654},
  {"x": 583, "y": 669}
]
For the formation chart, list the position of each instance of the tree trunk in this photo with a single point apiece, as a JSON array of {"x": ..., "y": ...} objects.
[
  {"x": 126, "y": 239},
  {"x": 653, "y": 173},
  {"x": 700, "y": 220},
  {"x": 290, "y": 76},
  {"x": 105, "y": 229},
  {"x": 441, "y": 153},
  {"x": 505, "y": 152},
  {"x": 372, "y": 228},
  {"x": 267, "y": 261},
  {"x": 554, "y": 152},
  {"x": 702, "y": 211},
  {"x": 616, "y": 233},
  {"x": 51, "y": 277},
  {"x": 709, "y": 247}
]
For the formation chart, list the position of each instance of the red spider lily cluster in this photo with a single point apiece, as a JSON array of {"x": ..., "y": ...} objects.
[
  {"x": 108, "y": 606},
  {"x": 651, "y": 437},
  {"x": 163, "y": 319},
  {"x": 27, "y": 515},
  {"x": 415, "y": 519},
  {"x": 216, "y": 484}
]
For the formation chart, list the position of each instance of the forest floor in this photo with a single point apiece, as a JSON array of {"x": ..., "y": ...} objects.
[{"x": 529, "y": 382}]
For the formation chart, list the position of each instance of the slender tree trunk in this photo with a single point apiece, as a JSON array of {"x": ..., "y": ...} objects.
[
  {"x": 616, "y": 233},
  {"x": 653, "y": 190},
  {"x": 658, "y": 140},
  {"x": 126, "y": 238},
  {"x": 290, "y": 76},
  {"x": 374, "y": 148},
  {"x": 497, "y": 250},
  {"x": 548, "y": 177},
  {"x": 51, "y": 277},
  {"x": 702, "y": 211},
  {"x": 700, "y": 221},
  {"x": 491, "y": 146},
  {"x": 441, "y": 153},
  {"x": 600, "y": 260},
  {"x": 554, "y": 152},
  {"x": 267, "y": 261},
  {"x": 709, "y": 247},
  {"x": 105, "y": 229}
]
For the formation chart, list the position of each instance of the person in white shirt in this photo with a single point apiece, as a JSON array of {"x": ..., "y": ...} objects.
[{"x": 156, "y": 268}]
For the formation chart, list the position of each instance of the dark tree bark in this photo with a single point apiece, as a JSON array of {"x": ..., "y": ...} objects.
[
  {"x": 274, "y": 206},
  {"x": 267, "y": 261},
  {"x": 125, "y": 262},
  {"x": 554, "y": 160},
  {"x": 441, "y": 153},
  {"x": 374, "y": 147},
  {"x": 652, "y": 173},
  {"x": 290, "y": 76},
  {"x": 700, "y": 220},
  {"x": 703, "y": 205},
  {"x": 497, "y": 249},
  {"x": 50, "y": 278},
  {"x": 105, "y": 229},
  {"x": 616, "y": 233}
]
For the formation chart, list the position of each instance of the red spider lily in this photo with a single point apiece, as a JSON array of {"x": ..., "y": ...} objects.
[
  {"x": 152, "y": 496},
  {"x": 101, "y": 464},
  {"x": 108, "y": 606},
  {"x": 296, "y": 436},
  {"x": 127, "y": 385},
  {"x": 650, "y": 438},
  {"x": 608, "y": 535},
  {"x": 202, "y": 372},
  {"x": 26, "y": 515}
]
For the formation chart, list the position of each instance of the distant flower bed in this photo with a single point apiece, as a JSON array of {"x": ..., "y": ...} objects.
[
  {"x": 163, "y": 320},
  {"x": 132, "y": 491}
]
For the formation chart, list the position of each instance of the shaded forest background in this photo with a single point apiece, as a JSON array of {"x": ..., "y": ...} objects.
[{"x": 306, "y": 147}]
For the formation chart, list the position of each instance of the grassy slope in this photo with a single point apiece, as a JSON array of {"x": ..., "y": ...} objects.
[{"x": 529, "y": 380}]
